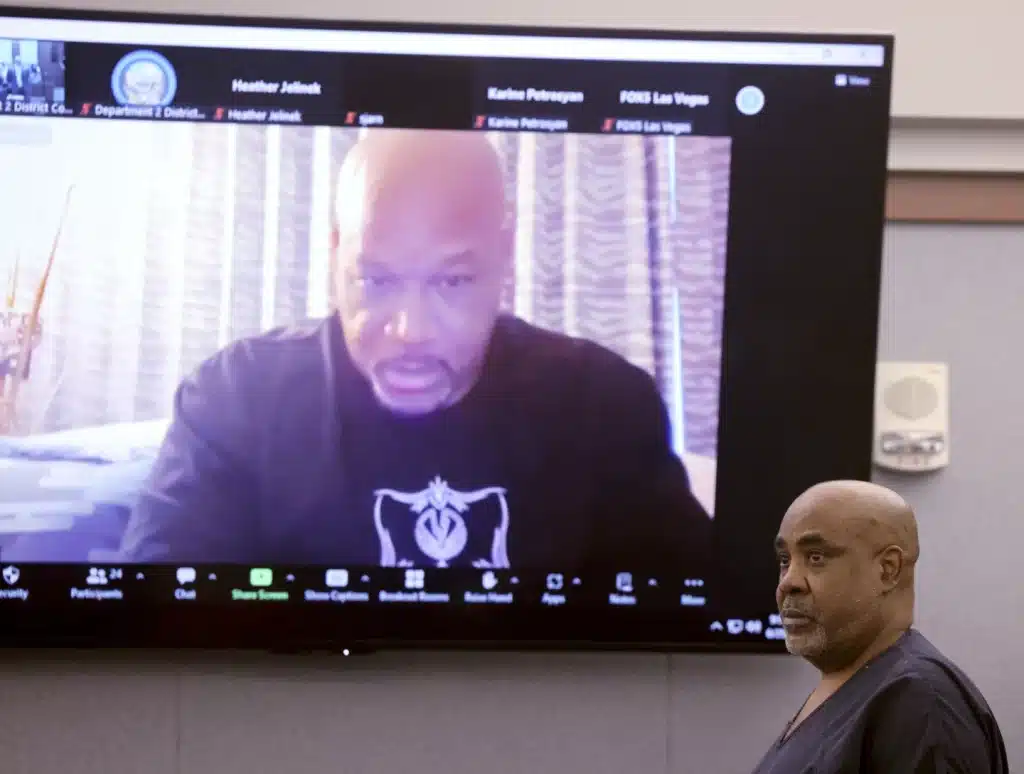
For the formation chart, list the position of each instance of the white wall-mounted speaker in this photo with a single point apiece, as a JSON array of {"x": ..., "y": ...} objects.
[{"x": 911, "y": 417}]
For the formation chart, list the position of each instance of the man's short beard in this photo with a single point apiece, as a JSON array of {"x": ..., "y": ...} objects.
[
  {"x": 835, "y": 647},
  {"x": 809, "y": 644}
]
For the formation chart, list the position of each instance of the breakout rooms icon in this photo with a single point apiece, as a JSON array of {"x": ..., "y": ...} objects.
[{"x": 415, "y": 579}]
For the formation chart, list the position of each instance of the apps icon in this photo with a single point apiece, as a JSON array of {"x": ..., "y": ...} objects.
[
  {"x": 186, "y": 575},
  {"x": 261, "y": 576},
  {"x": 555, "y": 581},
  {"x": 336, "y": 579}
]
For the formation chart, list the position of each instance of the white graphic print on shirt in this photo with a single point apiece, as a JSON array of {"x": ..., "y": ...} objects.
[{"x": 443, "y": 525}]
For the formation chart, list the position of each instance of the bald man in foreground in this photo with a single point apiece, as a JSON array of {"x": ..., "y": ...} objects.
[
  {"x": 419, "y": 426},
  {"x": 888, "y": 701}
]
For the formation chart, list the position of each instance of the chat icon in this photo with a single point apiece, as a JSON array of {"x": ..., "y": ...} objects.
[{"x": 186, "y": 575}]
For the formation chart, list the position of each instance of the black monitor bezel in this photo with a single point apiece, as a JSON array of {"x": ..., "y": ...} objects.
[{"x": 298, "y": 628}]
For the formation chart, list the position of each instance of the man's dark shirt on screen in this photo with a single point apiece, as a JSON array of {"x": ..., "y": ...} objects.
[
  {"x": 909, "y": 711},
  {"x": 559, "y": 457}
]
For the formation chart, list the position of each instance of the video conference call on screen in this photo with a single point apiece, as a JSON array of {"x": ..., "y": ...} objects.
[{"x": 396, "y": 320}]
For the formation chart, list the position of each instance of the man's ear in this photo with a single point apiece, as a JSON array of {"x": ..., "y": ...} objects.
[{"x": 891, "y": 563}]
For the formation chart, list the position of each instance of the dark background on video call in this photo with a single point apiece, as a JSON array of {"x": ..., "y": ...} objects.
[{"x": 801, "y": 307}]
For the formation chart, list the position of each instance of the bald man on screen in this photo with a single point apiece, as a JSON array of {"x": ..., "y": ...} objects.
[
  {"x": 888, "y": 701},
  {"x": 419, "y": 425},
  {"x": 423, "y": 251}
]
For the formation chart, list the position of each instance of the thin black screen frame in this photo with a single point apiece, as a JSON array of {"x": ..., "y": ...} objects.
[{"x": 302, "y": 627}]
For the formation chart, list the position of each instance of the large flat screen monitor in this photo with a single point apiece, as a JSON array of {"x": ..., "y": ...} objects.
[{"x": 321, "y": 335}]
